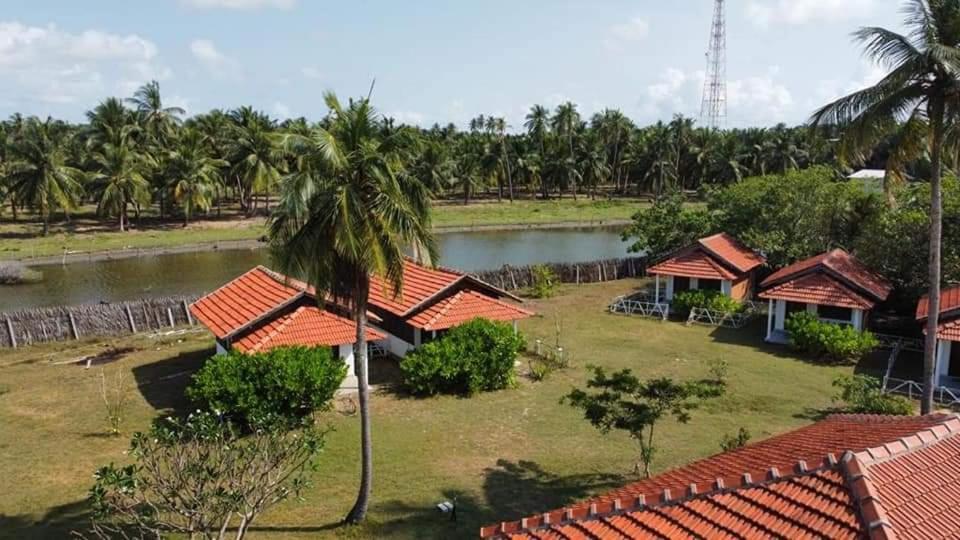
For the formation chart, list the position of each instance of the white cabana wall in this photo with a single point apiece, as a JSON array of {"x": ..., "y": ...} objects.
[
  {"x": 777, "y": 317},
  {"x": 663, "y": 287},
  {"x": 944, "y": 348}
]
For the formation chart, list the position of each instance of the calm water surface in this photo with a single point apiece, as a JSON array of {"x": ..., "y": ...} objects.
[{"x": 193, "y": 273}]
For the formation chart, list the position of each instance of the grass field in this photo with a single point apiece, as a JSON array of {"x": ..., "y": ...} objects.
[
  {"x": 502, "y": 455},
  {"x": 86, "y": 232}
]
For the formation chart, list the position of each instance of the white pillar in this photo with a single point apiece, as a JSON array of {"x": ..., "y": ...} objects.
[
  {"x": 694, "y": 283},
  {"x": 943, "y": 360},
  {"x": 516, "y": 330},
  {"x": 656, "y": 289},
  {"x": 669, "y": 295},
  {"x": 726, "y": 287},
  {"x": 857, "y": 319},
  {"x": 781, "y": 314},
  {"x": 770, "y": 319}
]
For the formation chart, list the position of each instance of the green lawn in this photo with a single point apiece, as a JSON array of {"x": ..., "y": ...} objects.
[
  {"x": 85, "y": 232},
  {"x": 503, "y": 455}
]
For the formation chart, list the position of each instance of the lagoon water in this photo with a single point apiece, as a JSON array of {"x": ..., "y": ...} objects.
[{"x": 194, "y": 273}]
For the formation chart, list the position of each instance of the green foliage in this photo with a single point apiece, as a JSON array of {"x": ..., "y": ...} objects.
[
  {"x": 824, "y": 339},
  {"x": 863, "y": 395},
  {"x": 737, "y": 440},
  {"x": 287, "y": 383},
  {"x": 665, "y": 226},
  {"x": 198, "y": 475},
  {"x": 544, "y": 282},
  {"x": 684, "y": 301},
  {"x": 622, "y": 401},
  {"x": 477, "y": 356}
]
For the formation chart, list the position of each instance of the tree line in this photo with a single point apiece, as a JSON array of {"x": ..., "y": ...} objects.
[{"x": 135, "y": 154}]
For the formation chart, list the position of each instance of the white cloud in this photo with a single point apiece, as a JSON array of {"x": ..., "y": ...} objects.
[
  {"x": 310, "y": 72},
  {"x": 281, "y": 110},
  {"x": 211, "y": 58},
  {"x": 758, "y": 98},
  {"x": 406, "y": 117},
  {"x": 828, "y": 90},
  {"x": 765, "y": 13},
  {"x": 48, "y": 65},
  {"x": 239, "y": 4},
  {"x": 633, "y": 30}
]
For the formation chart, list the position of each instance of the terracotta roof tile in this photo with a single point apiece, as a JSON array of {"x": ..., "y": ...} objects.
[
  {"x": 694, "y": 262},
  {"x": 242, "y": 300},
  {"x": 307, "y": 326},
  {"x": 732, "y": 251},
  {"x": 949, "y": 301},
  {"x": 419, "y": 284},
  {"x": 841, "y": 266},
  {"x": 818, "y": 288},
  {"x": 819, "y": 490},
  {"x": 463, "y": 306}
]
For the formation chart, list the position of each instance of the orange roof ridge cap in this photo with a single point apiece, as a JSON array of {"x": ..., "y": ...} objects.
[
  {"x": 440, "y": 314},
  {"x": 276, "y": 331},
  {"x": 259, "y": 267},
  {"x": 924, "y": 438},
  {"x": 868, "y": 506},
  {"x": 664, "y": 498}
]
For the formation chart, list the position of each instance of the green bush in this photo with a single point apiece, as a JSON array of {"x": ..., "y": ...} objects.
[
  {"x": 477, "y": 356},
  {"x": 544, "y": 281},
  {"x": 685, "y": 301},
  {"x": 287, "y": 383},
  {"x": 863, "y": 395},
  {"x": 824, "y": 339}
]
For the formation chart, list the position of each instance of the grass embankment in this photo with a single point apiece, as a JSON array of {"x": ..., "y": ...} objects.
[
  {"x": 86, "y": 233},
  {"x": 503, "y": 455}
]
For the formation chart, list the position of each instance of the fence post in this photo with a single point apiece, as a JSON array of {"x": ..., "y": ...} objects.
[
  {"x": 13, "y": 337},
  {"x": 186, "y": 309},
  {"x": 170, "y": 317},
  {"x": 133, "y": 326},
  {"x": 73, "y": 325},
  {"x": 577, "y": 266}
]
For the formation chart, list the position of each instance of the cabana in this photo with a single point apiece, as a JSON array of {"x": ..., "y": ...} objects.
[
  {"x": 834, "y": 285},
  {"x": 719, "y": 263},
  {"x": 947, "y": 370}
]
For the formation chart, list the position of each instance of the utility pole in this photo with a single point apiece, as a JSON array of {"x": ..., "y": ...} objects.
[{"x": 713, "y": 107}]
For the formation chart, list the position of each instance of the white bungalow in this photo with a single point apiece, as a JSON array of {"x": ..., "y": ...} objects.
[
  {"x": 835, "y": 286},
  {"x": 947, "y": 370},
  {"x": 719, "y": 263}
]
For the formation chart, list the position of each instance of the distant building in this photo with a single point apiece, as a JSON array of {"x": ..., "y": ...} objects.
[
  {"x": 947, "y": 367},
  {"x": 719, "y": 263},
  {"x": 870, "y": 179}
]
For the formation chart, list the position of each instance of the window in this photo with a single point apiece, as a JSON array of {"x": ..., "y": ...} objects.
[
  {"x": 709, "y": 284},
  {"x": 835, "y": 313},
  {"x": 794, "y": 307},
  {"x": 681, "y": 284}
]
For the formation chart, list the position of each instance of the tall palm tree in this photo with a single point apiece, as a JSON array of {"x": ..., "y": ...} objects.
[
  {"x": 920, "y": 92},
  {"x": 159, "y": 121},
  {"x": 193, "y": 172},
  {"x": 537, "y": 123},
  {"x": 566, "y": 122},
  {"x": 39, "y": 174},
  {"x": 120, "y": 177},
  {"x": 256, "y": 161},
  {"x": 345, "y": 216}
]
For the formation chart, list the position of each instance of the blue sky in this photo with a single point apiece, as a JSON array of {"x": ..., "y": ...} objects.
[{"x": 434, "y": 61}]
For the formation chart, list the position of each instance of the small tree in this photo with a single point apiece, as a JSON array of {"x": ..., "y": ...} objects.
[
  {"x": 114, "y": 400},
  {"x": 622, "y": 401},
  {"x": 543, "y": 281},
  {"x": 738, "y": 440},
  {"x": 198, "y": 477},
  {"x": 861, "y": 394}
]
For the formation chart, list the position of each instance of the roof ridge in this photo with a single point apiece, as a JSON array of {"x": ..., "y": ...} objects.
[
  {"x": 910, "y": 443},
  {"x": 630, "y": 503},
  {"x": 280, "y": 327},
  {"x": 451, "y": 300}
]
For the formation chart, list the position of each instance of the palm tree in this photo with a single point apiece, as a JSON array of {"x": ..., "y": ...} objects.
[
  {"x": 120, "y": 178},
  {"x": 566, "y": 122},
  {"x": 913, "y": 100},
  {"x": 345, "y": 216},
  {"x": 257, "y": 162},
  {"x": 537, "y": 123},
  {"x": 156, "y": 119},
  {"x": 194, "y": 173},
  {"x": 38, "y": 172}
]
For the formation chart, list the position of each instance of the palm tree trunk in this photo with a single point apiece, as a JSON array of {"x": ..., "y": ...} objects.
[
  {"x": 936, "y": 218},
  {"x": 359, "y": 510},
  {"x": 506, "y": 162},
  {"x": 13, "y": 207},
  {"x": 123, "y": 210}
]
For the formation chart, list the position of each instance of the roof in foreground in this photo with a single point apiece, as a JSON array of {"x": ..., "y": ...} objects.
[
  {"x": 463, "y": 306},
  {"x": 306, "y": 326},
  {"x": 818, "y": 289},
  {"x": 790, "y": 485},
  {"x": 842, "y": 267},
  {"x": 720, "y": 256},
  {"x": 248, "y": 297}
]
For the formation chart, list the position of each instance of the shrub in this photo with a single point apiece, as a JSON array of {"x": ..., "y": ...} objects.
[
  {"x": 543, "y": 281},
  {"x": 834, "y": 341},
  {"x": 288, "y": 383},
  {"x": 477, "y": 356},
  {"x": 738, "y": 440},
  {"x": 685, "y": 301},
  {"x": 863, "y": 395}
]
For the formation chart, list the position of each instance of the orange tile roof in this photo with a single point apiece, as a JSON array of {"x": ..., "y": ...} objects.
[
  {"x": 419, "y": 284},
  {"x": 949, "y": 301},
  {"x": 809, "y": 444},
  {"x": 818, "y": 289},
  {"x": 732, "y": 251},
  {"x": 244, "y": 299},
  {"x": 307, "y": 326},
  {"x": 949, "y": 330},
  {"x": 841, "y": 266},
  {"x": 463, "y": 306}
]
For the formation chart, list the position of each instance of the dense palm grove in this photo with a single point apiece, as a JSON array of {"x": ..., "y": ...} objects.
[{"x": 135, "y": 154}]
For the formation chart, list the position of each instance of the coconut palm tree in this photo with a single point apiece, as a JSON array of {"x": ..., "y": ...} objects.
[
  {"x": 566, "y": 122},
  {"x": 157, "y": 120},
  {"x": 913, "y": 101},
  {"x": 39, "y": 173},
  {"x": 256, "y": 161},
  {"x": 344, "y": 216},
  {"x": 193, "y": 172},
  {"x": 537, "y": 123},
  {"x": 120, "y": 177}
]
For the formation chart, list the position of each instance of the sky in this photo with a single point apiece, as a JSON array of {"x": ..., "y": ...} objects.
[{"x": 435, "y": 60}]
